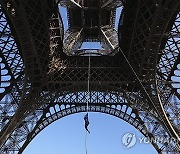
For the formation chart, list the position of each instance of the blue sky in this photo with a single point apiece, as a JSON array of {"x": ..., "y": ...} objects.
[{"x": 67, "y": 135}]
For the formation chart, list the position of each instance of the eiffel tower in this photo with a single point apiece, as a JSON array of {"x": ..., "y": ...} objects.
[{"x": 134, "y": 75}]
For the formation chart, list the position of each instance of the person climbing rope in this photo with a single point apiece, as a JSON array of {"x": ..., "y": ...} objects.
[{"x": 86, "y": 122}]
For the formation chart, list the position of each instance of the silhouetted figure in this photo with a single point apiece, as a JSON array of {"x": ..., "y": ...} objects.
[{"x": 86, "y": 122}]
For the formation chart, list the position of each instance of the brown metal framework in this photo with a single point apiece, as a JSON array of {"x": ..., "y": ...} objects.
[{"x": 44, "y": 78}]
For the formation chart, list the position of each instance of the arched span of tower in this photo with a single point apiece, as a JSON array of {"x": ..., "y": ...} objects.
[
  {"x": 109, "y": 103},
  {"x": 71, "y": 103}
]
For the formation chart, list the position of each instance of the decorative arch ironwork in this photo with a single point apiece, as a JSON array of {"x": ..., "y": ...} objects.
[{"x": 71, "y": 103}]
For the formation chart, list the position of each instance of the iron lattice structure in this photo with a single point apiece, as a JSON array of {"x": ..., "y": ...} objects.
[{"x": 44, "y": 76}]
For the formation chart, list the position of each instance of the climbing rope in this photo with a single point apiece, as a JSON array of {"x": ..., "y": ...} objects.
[
  {"x": 88, "y": 86},
  {"x": 86, "y": 143},
  {"x": 88, "y": 98},
  {"x": 87, "y": 105}
]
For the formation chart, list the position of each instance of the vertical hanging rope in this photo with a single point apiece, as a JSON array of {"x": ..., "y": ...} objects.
[
  {"x": 86, "y": 143},
  {"x": 88, "y": 86},
  {"x": 89, "y": 97},
  {"x": 87, "y": 105}
]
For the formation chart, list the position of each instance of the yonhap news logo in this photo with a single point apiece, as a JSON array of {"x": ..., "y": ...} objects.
[{"x": 130, "y": 139}]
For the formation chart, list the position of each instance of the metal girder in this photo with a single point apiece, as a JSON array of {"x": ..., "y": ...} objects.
[
  {"x": 111, "y": 4},
  {"x": 109, "y": 39},
  {"x": 70, "y": 3},
  {"x": 72, "y": 41},
  {"x": 54, "y": 85},
  {"x": 90, "y": 23},
  {"x": 145, "y": 46},
  {"x": 160, "y": 24},
  {"x": 10, "y": 57},
  {"x": 68, "y": 104}
]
